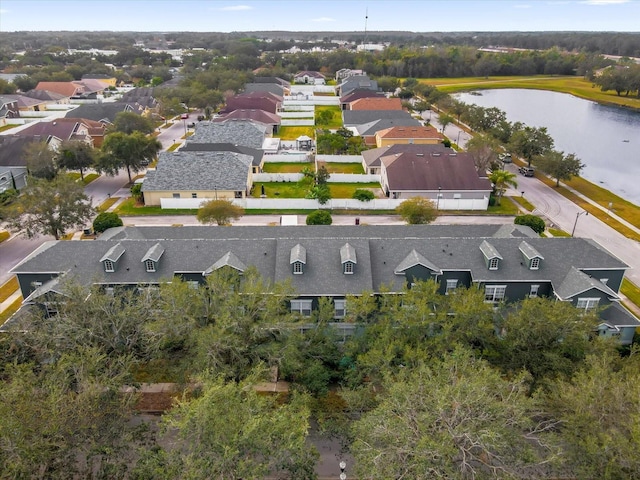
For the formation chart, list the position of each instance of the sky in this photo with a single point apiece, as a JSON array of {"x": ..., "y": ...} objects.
[{"x": 320, "y": 15}]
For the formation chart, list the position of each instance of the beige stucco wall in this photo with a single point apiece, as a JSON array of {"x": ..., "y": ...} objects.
[
  {"x": 153, "y": 198},
  {"x": 385, "y": 142}
]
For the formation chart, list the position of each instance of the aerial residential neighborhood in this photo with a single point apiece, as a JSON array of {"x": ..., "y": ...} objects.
[{"x": 298, "y": 254}]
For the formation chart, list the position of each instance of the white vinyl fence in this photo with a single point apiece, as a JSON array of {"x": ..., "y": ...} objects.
[
  {"x": 337, "y": 203},
  {"x": 298, "y": 123},
  {"x": 287, "y": 158},
  {"x": 302, "y": 114},
  {"x": 339, "y": 158}
]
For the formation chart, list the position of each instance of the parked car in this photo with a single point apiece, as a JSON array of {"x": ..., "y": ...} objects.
[
  {"x": 527, "y": 171},
  {"x": 505, "y": 157},
  {"x": 184, "y": 116}
]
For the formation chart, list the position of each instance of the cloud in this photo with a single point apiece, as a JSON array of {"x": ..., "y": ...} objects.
[
  {"x": 604, "y": 2},
  {"x": 522, "y": 6},
  {"x": 236, "y": 8},
  {"x": 323, "y": 19}
]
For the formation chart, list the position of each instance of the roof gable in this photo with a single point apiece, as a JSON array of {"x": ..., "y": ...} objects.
[
  {"x": 414, "y": 258},
  {"x": 229, "y": 259}
]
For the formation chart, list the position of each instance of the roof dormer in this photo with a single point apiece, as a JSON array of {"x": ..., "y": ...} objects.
[
  {"x": 110, "y": 259},
  {"x": 229, "y": 259},
  {"x": 491, "y": 256},
  {"x": 531, "y": 256},
  {"x": 348, "y": 259},
  {"x": 416, "y": 259},
  {"x": 298, "y": 259},
  {"x": 152, "y": 257}
]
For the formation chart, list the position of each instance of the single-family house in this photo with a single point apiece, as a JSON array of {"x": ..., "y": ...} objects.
[
  {"x": 66, "y": 89},
  {"x": 206, "y": 174},
  {"x": 366, "y": 123},
  {"x": 104, "y": 113},
  {"x": 55, "y": 132},
  {"x": 95, "y": 129},
  {"x": 375, "y": 103},
  {"x": 508, "y": 263},
  {"x": 348, "y": 72},
  {"x": 257, "y": 155},
  {"x": 355, "y": 82},
  {"x": 13, "y": 164},
  {"x": 235, "y": 131},
  {"x": 371, "y": 158},
  {"x": 274, "y": 88},
  {"x": 258, "y": 116},
  {"x": 357, "y": 94},
  {"x": 418, "y": 135},
  {"x": 254, "y": 101},
  {"x": 107, "y": 80},
  {"x": 309, "y": 77},
  {"x": 447, "y": 178},
  {"x": 9, "y": 108},
  {"x": 48, "y": 97}
]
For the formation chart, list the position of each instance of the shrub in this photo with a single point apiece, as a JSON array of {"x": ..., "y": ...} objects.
[
  {"x": 417, "y": 210},
  {"x": 536, "y": 223},
  {"x": 363, "y": 195},
  {"x": 106, "y": 220},
  {"x": 136, "y": 192},
  {"x": 319, "y": 217}
]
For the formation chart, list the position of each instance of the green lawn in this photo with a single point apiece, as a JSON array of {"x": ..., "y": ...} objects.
[
  {"x": 336, "y": 116},
  {"x": 291, "y": 133},
  {"x": 11, "y": 309},
  {"x": 335, "y": 167},
  {"x": 558, "y": 233},
  {"x": 506, "y": 207},
  {"x": 523, "y": 202},
  {"x": 104, "y": 206},
  {"x": 286, "y": 167},
  {"x": 130, "y": 208},
  {"x": 295, "y": 190}
]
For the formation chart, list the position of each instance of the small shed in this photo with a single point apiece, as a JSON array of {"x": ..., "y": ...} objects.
[{"x": 304, "y": 142}]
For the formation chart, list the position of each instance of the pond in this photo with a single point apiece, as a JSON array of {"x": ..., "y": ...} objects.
[{"x": 606, "y": 139}]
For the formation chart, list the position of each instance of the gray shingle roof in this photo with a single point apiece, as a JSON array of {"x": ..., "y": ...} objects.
[
  {"x": 489, "y": 251},
  {"x": 381, "y": 249},
  {"x": 236, "y": 132},
  {"x": 298, "y": 254},
  {"x": 413, "y": 259},
  {"x": 114, "y": 253},
  {"x": 257, "y": 155},
  {"x": 197, "y": 171},
  {"x": 615, "y": 315},
  {"x": 354, "y": 118},
  {"x": 576, "y": 282}
]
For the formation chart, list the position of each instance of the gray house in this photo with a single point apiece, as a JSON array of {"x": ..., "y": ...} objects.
[
  {"x": 13, "y": 164},
  {"x": 508, "y": 263},
  {"x": 241, "y": 132}
]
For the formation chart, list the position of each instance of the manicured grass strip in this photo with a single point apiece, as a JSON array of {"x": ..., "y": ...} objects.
[
  {"x": 595, "y": 211},
  {"x": 558, "y": 233},
  {"x": 106, "y": 205},
  {"x": 291, "y": 167},
  {"x": 8, "y": 288},
  {"x": 335, "y": 167},
  {"x": 631, "y": 291},
  {"x": 621, "y": 207},
  {"x": 130, "y": 208},
  {"x": 11, "y": 309},
  {"x": 523, "y": 202},
  {"x": 506, "y": 207},
  {"x": 90, "y": 178},
  {"x": 4, "y": 236},
  {"x": 291, "y": 133}
]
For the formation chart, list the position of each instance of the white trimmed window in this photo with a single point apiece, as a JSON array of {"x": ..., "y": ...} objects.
[
  {"x": 109, "y": 291},
  {"x": 194, "y": 195},
  {"x": 108, "y": 266},
  {"x": 193, "y": 284},
  {"x": 303, "y": 307},
  {"x": 297, "y": 268},
  {"x": 348, "y": 268},
  {"x": 452, "y": 284},
  {"x": 493, "y": 263},
  {"x": 150, "y": 265},
  {"x": 340, "y": 308},
  {"x": 535, "y": 263},
  {"x": 534, "y": 291},
  {"x": 494, "y": 293},
  {"x": 587, "y": 303}
]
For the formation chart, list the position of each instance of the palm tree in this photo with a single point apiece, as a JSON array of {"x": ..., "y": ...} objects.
[{"x": 501, "y": 179}]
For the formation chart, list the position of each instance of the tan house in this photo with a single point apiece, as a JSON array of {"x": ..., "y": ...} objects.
[
  {"x": 417, "y": 135},
  {"x": 198, "y": 174},
  {"x": 107, "y": 80}
]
